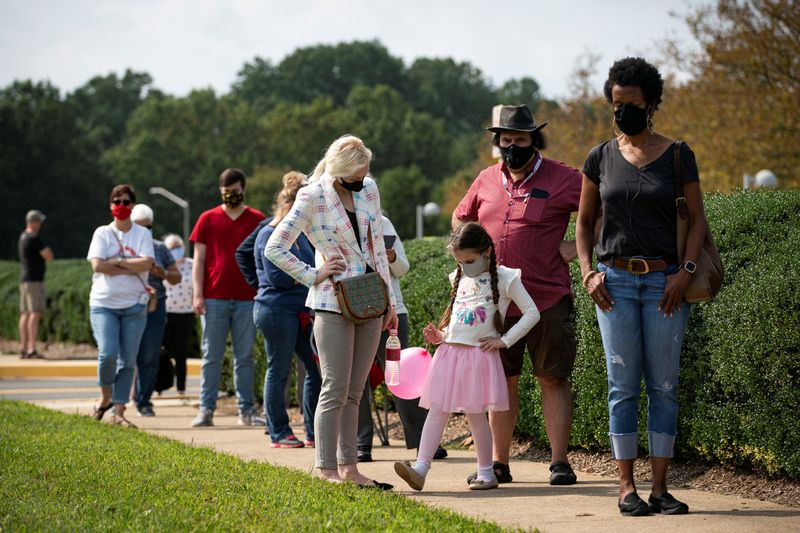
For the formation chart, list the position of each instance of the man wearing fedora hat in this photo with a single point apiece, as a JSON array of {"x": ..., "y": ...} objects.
[
  {"x": 525, "y": 202},
  {"x": 33, "y": 256}
]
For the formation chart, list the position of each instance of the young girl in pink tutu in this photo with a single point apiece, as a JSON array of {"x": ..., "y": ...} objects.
[{"x": 466, "y": 374}]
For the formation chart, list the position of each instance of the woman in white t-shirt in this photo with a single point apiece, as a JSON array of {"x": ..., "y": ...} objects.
[{"x": 121, "y": 254}]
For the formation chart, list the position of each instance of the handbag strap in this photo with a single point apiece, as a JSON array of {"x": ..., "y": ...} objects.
[
  {"x": 680, "y": 199},
  {"x": 371, "y": 245},
  {"x": 122, "y": 248}
]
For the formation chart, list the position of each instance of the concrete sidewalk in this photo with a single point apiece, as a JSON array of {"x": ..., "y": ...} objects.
[
  {"x": 529, "y": 502},
  {"x": 12, "y": 367}
]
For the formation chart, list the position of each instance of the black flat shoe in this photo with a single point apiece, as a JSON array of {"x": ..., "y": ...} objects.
[
  {"x": 376, "y": 485},
  {"x": 441, "y": 453},
  {"x": 364, "y": 457},
  {"x": 633, "y": 505},
  {"x": 667, "y": 504}
]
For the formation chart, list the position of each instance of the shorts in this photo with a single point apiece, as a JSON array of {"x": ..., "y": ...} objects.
[
  {"x": 551, "y": 343},
  {"x": 31, "y": 297}
]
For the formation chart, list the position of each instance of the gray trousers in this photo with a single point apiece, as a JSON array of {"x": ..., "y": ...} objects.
[
  {"x": 412, "y": 416},
  {"x": 346, "y": 352}
]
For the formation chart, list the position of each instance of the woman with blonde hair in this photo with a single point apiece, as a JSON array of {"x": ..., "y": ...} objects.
[
  {"x": 340, "y": 213},
  {"x": 284, "y": 320}
]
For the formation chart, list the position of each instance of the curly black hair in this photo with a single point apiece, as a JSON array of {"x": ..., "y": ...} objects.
[
  {"x": 638, "y": 72},
  {"x": 538, "y": 140}
]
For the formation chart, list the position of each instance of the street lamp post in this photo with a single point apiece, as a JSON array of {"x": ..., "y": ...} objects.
[
  {"x": 430, "y": 209},
  {"x": 184, "y": 204}
]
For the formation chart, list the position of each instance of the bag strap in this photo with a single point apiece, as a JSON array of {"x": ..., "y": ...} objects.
[
  {"x": 680, "y": 199},
  {"x": 122, "y": 247},
  {"x": 374, "y": 259}
]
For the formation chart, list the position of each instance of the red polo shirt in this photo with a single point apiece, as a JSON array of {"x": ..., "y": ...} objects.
[
  {"x": 223, "y": 280},
  {"x": 527, "y": 222}
]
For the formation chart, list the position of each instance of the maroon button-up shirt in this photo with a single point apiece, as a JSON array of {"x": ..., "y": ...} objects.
[{"x": 527, "y": 222}]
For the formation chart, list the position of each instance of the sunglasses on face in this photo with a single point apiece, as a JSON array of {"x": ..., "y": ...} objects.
[{"x": 123, "y": 202}]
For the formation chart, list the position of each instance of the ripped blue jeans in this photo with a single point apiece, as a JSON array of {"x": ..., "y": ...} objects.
[{"x": 638, "y": 340}]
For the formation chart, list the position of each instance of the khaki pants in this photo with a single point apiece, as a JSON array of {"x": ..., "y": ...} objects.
[{"x": 346, "y": 352}]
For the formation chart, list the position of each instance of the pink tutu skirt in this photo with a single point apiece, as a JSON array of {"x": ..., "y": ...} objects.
[{"x": 465, "y": 379}]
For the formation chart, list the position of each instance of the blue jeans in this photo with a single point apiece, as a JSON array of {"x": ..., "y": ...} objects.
[
  {"x": 149, "y": 354},
  {"x": 236, "y": 317},
  {"x": 118, "y": 333},
  {"x": 637, "y": 340},
  {"x": 282, "y": 338}
]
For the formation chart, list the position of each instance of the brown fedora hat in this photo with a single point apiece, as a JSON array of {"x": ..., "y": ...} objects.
[{"x": 516, "y": 118}]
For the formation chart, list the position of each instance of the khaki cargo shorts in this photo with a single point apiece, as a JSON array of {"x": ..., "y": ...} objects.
[{"x": 31, "y": 297}]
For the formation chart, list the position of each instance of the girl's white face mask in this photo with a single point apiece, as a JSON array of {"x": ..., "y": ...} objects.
[{"x": 476, "y": 268}]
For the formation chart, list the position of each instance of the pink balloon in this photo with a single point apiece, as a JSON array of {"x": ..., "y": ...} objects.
[{"x": 414, "y": 364}]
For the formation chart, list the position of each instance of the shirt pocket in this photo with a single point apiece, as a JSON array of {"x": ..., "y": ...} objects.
[{"x": 534, "y": 209}]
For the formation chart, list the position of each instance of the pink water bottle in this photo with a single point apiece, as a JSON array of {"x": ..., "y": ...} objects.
[{"x": 392, "y": 374}]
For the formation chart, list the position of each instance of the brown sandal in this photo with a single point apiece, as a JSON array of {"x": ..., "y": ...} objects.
[{"x": 122, "y": 421}]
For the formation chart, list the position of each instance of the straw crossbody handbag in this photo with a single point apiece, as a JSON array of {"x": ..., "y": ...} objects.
[
  {"x": 152, "y": 300},
  {"x": 707, "y": 277},
  {"x": 362, "y": 298}
]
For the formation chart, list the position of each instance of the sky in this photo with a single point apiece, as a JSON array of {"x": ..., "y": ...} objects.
[{"x": 187, "y": 45}]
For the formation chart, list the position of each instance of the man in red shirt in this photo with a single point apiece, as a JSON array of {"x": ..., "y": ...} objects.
[
  {"x": 525, "y": 203},
  {"x": 223, "y": 299}
]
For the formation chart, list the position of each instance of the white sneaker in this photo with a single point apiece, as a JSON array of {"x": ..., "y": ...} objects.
[
  {"x": 251, "y": 417},
  {"x": 204, "y": 418}
]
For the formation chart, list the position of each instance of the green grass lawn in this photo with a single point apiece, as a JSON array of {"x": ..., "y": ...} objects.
[{"x": 68, "y": 472}]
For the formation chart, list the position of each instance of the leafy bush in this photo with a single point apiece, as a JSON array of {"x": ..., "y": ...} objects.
[
  {"x": 740, "y": 370},
  {"x": 67, "y": 282}
]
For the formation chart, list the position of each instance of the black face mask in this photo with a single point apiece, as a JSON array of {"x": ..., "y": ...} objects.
[
  {"x": 516, "y": 157},
  {"x": 232, "y": 199},
  {"x": 631, "y": 119},
  {"x": 353, "y": 186}
]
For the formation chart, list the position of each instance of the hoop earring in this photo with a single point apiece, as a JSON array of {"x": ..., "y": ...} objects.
[
  {"x": 650, "y": 126},
  {"x": 614, "y": 128}
]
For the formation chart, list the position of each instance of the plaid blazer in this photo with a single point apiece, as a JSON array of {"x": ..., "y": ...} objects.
[{"x": 318, "y": 212}]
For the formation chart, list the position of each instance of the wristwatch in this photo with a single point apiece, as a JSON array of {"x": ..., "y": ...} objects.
[{"x": 689, "y": 266}]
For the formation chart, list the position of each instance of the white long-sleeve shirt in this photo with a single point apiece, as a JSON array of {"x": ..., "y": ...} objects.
[
  {"x": 473, "y": 309},
  {"x": 400, "y": 266}
]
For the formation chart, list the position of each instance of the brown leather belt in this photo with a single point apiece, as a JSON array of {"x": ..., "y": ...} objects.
[{"x": 637, "y": 265}]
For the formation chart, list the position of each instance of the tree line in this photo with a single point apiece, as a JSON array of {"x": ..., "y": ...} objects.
[{"x": 62, "y": 153}]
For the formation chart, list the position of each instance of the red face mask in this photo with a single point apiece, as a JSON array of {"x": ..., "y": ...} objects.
[{"x": 121, "y": 212}]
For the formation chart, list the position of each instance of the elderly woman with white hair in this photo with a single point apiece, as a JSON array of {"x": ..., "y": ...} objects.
[
  {"x": 340, "y": 213},
  {"x": 163, "y": 269},
  {"x": 180, "y": 315}
]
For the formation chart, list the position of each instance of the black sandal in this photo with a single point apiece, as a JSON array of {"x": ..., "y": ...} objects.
[
  {"x": 99, "y": 412},
  {"x": 561, "y": 473}
]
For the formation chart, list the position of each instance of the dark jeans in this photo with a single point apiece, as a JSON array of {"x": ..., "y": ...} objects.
[
  {"x": 176, "y": 343},
  {"x": 412, "y": 416},
  {"x": 149, "y": 352},
  {"x": 282, "y": 338}
]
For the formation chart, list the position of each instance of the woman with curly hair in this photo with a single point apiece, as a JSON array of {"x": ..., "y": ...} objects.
[
  {"x": 639, "y": 281},
  {"x": 281, "y": 314}
]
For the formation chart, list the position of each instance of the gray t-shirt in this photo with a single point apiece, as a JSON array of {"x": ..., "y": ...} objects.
[{"x": 638, "y": 203}]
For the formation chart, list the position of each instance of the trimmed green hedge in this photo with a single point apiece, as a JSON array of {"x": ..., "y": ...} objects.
[
  {"x": 740, "y": 370},
  {"x": 67, "y": 282},
  {"x": 740, "y": 373}
]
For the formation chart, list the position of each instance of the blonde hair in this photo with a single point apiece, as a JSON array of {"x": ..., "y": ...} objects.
[
  {"x": 343, "y": 158},
  {"x": 293, "y": 181}
]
